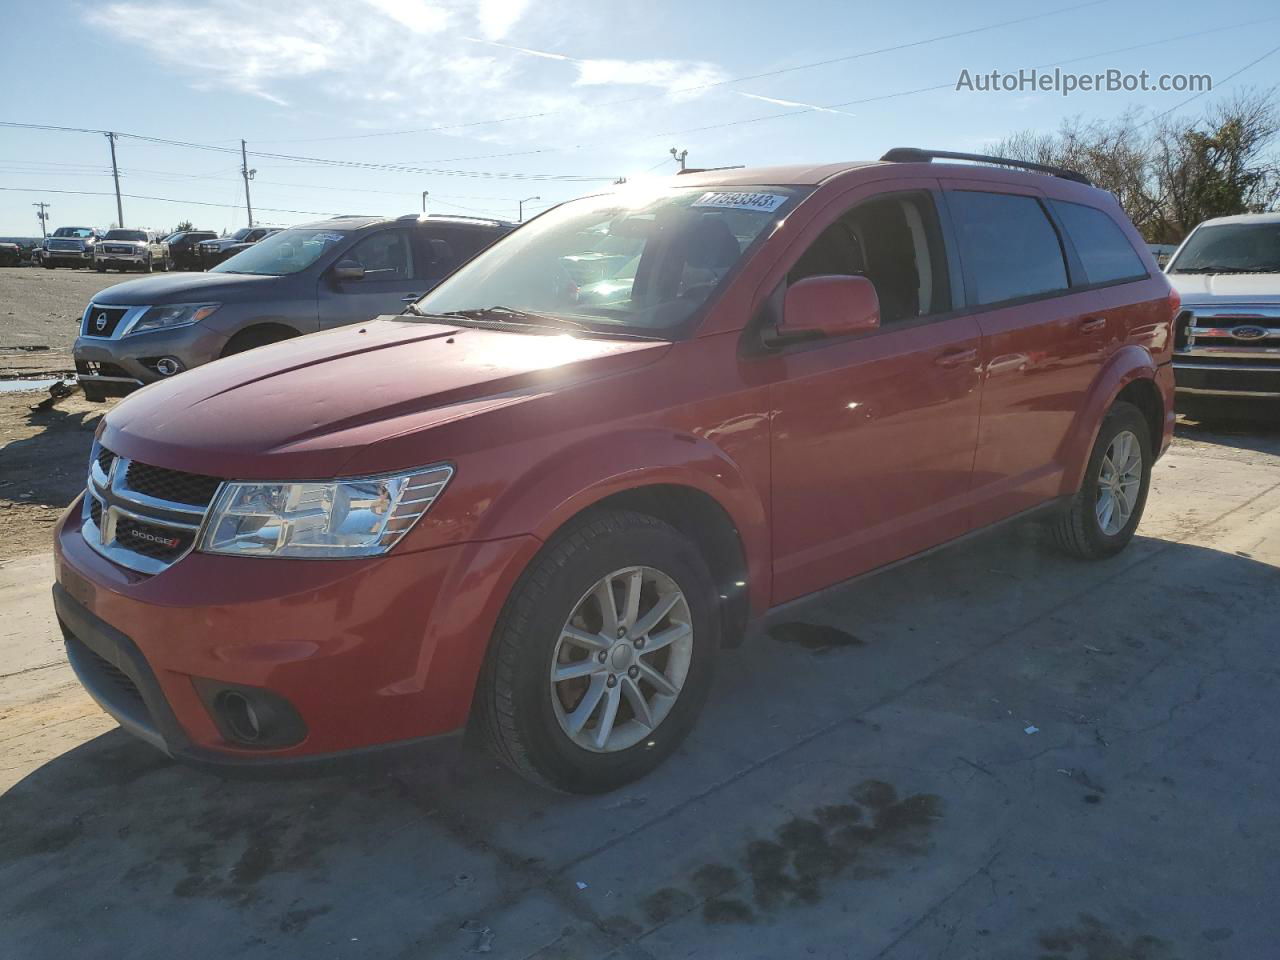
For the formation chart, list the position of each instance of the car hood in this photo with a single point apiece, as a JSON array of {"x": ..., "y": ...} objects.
[
  {"x": 307, "y": 408},
  {"x": 1216, "y": 288},
  {"x": 184, "y": 288}
]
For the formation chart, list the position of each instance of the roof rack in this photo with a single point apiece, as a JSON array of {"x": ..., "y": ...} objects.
[{"x": 916, "y": 155}]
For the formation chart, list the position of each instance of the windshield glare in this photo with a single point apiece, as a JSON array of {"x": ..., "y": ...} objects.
[
  {"x": 639, "y": 261},
  {"x": 1231, "y": 248},
  {"x": 289, "y": 251},
  {"x": 125, "y": 235}
]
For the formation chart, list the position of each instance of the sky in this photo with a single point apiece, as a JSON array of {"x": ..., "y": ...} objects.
[{"x": 488, "y": 102}]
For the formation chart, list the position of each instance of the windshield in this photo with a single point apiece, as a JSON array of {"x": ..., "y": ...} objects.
[
  {"x": 241, "y": 234},
  {"x": 289, "y": 251},
  {"x": 1231, "y": 248},
  {"x": 637, "y": 261},
  {"x": 80, "y": 232},
  {"x": 125, "y": 235}
]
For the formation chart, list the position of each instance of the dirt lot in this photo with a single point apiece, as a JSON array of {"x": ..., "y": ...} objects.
[
  {"x": 994, "y": 753},
  {"x": 42, "y": 309},
  {"x": 998, "y": 754}
]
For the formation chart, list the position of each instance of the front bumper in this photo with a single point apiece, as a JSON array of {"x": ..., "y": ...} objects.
[
  {"x": 1252, "y": 379},
  {"x": 127, "y": 359},
  {"x": 69, "y": 258},
  {"x": 371, "y": 653}
]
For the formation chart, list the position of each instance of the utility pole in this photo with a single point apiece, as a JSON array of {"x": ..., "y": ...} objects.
[
  {"x": 424, "y": 200},
  {"x": 680, "y": 156},
  {"x": 115, "y": 173},
  {"x": 520, "y": 218},
  {"x": 43, "y": 217},
  {"x": 248, "y": 175}
]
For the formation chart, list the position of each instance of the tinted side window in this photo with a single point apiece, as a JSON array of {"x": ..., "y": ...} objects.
[
  {"x": 384, "y": 256},
  {"x": 894, "y": 242},
  {"x": 1103, "y": 248},
  {"x": 1009, "y": 247}
]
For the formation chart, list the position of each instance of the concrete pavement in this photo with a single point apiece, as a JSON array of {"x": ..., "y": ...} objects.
[{"x": 999, "y": 754}]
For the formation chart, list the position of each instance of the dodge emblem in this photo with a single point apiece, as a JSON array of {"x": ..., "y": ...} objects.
[{"x": 100, "y": 322}]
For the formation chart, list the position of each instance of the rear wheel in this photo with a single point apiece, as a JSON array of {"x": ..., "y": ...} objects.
[
  {"x": 1103, "y": 515},
  {"x": 147, "y": 266},
  {"x": 603, "y": 655}
]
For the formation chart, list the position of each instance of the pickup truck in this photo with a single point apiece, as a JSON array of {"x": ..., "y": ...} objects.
[
  {"x": 1227, "y": 337},
  {"x": 69, "y": 247}
]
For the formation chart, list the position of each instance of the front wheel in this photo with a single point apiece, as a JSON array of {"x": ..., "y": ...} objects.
[
  {"x": 602, "y": 657},
  {"x": 1103, "y": 515}
]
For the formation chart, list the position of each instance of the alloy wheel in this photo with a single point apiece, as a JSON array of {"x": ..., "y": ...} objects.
[
  {"x": 1119, "y": 480},
  {"x": 621, "y": 659}
]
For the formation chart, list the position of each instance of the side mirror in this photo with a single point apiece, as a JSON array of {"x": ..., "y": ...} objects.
[
  {"x": 345, "y": 271},
  {"x": 827, "y": 306}
]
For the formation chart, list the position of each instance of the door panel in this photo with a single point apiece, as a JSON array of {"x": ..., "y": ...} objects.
[
  {"x": 1040, "y": 355},
  {"x": 873, "y": 444}
]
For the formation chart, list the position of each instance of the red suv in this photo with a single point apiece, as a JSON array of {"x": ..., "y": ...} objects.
[{"x": 543, "y": 498}]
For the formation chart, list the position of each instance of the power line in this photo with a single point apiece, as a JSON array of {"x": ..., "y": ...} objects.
[
  {"x": 1196, "y": 96},
  {"x": 197, "y": 203},
  {"x": 711, "y": 84}
]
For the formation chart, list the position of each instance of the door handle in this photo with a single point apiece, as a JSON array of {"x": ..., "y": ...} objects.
[
  {"x": 1093, "y": 325},
  {"x": 954, "y": 358}
]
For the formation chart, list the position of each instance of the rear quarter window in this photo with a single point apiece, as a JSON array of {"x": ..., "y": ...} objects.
[
  {"x": 1008, "y": 246},
  {"x": 1103, "y": 248}
]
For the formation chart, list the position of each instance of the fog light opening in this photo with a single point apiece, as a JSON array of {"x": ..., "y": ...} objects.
[
  {"x": 240, "y": 717},
  {"x": 168, "y": 366}
]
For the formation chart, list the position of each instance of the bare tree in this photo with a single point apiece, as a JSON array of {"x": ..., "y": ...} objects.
[{"x": 1172, "y": 173}]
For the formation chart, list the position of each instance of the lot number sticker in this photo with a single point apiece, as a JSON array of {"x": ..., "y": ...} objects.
[{"x": 763, "y": 202}]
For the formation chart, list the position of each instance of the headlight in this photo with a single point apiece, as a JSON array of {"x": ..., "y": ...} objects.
[
  {"x": 340, "y": 518},
  {"x": 173, "y": 315}
]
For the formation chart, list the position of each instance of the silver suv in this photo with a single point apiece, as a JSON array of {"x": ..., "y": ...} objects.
[
  {"x": 1227, "y": 338},
  {"x": 143, "y": 250}
]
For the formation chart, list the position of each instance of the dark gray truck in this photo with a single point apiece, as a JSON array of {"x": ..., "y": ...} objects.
[{"x": 301, "y": 280}]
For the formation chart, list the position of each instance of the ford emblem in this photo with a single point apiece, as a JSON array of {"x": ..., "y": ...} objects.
[
  {"x": 100, "y": 322},
  {"x": 1248, "y": 333}
]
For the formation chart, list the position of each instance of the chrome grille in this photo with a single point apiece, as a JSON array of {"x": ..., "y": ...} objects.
[
  {"x": 140, "y": 516},
  {"x": 102, "y": 321},
  {"x": 66, "y": 245}
]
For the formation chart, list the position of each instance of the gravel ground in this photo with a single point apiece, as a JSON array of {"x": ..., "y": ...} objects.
[{"x": 42, "y": 309}]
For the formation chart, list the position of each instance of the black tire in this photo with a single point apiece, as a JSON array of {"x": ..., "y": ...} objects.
[
  {"x": 50, "y": 266},
  {"x": 147, "y": 266},
  {"x": 513, "y": 708},
  {"x": 255, "y": 337},
  {"x": 100, "y": 269},
  {"x": 1077, "y": 530},
  {"x": 93, "y": 392}
]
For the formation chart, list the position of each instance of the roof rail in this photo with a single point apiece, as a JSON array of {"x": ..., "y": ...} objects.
[{"x": 916, "y": 155}]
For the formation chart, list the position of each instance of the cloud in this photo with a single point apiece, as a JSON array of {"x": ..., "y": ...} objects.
[
  {"x": 497, "y": 17},
  {"x": 382, "y": 64}
]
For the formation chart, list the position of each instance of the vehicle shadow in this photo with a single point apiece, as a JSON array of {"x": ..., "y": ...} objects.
[
  {"x": 112, "y": 844},
  {"x": 1247, "y": 426},
  {"x": 49, "y": 458}
]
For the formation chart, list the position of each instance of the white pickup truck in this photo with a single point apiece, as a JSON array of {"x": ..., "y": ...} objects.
[{"x": 1227, "y": 338}]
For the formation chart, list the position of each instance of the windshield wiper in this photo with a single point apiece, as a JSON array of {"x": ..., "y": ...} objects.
[{"x": 511, "y": 314}]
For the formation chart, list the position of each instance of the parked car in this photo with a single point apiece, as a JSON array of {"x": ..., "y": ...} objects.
[
  {"x": 546, "y": 516},
  {"x": 10, "y": 254},
  {"x": 213, "y": 252},
  {"x": 69, "y": 247},
  {"x": 1227, "y": 338},
  {"x": 297, "y": 281},
  {"x": 182, "y": 247}
]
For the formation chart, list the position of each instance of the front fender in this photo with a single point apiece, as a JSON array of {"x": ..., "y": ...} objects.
[
  {"x": 569, "y": 480},
  {"x": 1126, "y": 365}
]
